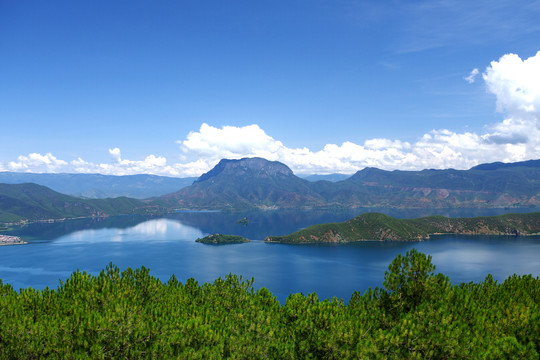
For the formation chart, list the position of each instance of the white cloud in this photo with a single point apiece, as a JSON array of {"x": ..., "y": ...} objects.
[
  {"x": 472, "y": 76},
  {"x": 115, "y": 154},
  {"x": 229, "y": 142},
  {"x": 36, "y": 163},
  {"x": 514, "y": 82}
]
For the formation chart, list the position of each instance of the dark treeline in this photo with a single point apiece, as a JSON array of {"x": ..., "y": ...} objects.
[{"x": 416, "y": 315}]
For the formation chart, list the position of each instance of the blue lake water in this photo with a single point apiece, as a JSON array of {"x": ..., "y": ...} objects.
[{"x": 166, "y": 246}]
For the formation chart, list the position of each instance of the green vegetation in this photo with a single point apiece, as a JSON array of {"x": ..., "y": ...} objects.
[
  {"x": 220, "y": 239},
  {"x": 376, "y": 226},
  {"x": 243, "y": 221},
  {"x": 416, "y": 315},
  {"x": 19, "y": 202}
]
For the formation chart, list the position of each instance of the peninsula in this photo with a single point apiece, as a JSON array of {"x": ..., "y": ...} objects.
[
  {"x": 376, "y": 226},
  {"x": 11, "y": 240},
  {"x": 220, "y": 239}
]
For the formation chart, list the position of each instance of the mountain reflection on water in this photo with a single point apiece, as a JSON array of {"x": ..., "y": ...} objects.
[{"x": 167, "y": 246}]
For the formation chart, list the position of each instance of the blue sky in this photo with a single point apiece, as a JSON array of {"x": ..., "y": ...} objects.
[{"x": 124, "y": 87}]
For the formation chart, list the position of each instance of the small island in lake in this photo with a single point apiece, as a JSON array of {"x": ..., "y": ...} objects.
[
  {"x": 220, "y": 239},
  {"x": 376, "y": 226},
  {"x": 243, "y": 221}
]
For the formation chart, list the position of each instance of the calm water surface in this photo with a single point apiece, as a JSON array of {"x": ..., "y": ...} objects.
[{"x": 167, "y": 246}]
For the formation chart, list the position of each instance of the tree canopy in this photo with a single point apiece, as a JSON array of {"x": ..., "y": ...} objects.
[{"x": 417, "y": 314}]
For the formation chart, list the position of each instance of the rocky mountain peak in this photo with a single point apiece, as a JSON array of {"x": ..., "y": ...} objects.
[{"x": 253, "y": 166}]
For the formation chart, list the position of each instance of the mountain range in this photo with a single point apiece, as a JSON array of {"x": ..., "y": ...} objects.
[
  {"x": 259, "y": 183},
  {"x": 97, "y": 186}
]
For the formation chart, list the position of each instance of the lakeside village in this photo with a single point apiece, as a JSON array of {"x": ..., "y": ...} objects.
[{"x": 11, "y": 240}]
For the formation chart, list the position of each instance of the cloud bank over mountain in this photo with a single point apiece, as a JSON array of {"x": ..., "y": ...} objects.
[{"x": 513, "y": 81}]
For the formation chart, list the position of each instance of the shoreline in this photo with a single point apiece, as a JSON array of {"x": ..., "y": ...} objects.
[
  {"x": 6, "y": 240},
  {"x": 270, "y": 241}
]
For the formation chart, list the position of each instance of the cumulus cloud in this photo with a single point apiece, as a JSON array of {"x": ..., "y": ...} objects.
[
  {"x": 472, "y": 76},
  {"x": 437, "y": 149},
  {"x": 37, "y": 163},
  {"x": 516, "y": 85},
  {"x": 115, "y": 153},
  {"x": 514, "y": 82},
  {"x": 48, "y": 163}
]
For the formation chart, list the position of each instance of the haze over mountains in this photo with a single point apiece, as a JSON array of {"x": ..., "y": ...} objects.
[
  {"x": 256, "y": 183},
  {"x": 97, "y": 186}
]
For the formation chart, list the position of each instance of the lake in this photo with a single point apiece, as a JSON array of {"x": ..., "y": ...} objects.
[{"x": 167, "y": 246}]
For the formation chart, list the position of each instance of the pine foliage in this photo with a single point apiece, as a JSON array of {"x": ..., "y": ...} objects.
[{"x": 418, "y": 314}]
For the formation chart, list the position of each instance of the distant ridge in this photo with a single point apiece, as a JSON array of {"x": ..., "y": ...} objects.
[
  {"x": 259, "y": 183},
  {"x": 501, "y": 165},
  {"x": 36, "y": 202},
  {"x": 98, "y": 186},
  {"x": 328, "y": 177}
]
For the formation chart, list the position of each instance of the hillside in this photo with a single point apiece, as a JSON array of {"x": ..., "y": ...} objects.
[
  {"x": 36, "y": 202},
  {"x": 516, "y": 184},
  {"x": 97, "y": 186},
  {"x": 376, "y": 226},
  {"x": 258, "y": 183},
  {"x": 246, "y": 183}
]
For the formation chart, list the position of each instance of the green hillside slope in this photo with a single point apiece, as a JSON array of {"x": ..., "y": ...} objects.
[
  {"x": 246, "y": 183},
  {"x": 36, "y": 202},
  {"x": 375, "y": 226}
]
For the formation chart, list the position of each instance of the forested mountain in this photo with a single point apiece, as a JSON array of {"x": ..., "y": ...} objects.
[
  {"x": 255, "y": 182},
  {"x": 246, "y": 183},
  {"x": 517, "y": 184},
  {"x": 36, "y": 202},
  {"x": 376, "y": 226},
  {"x": 258, "y": 183},
  {"x": 97, "y": 186}
]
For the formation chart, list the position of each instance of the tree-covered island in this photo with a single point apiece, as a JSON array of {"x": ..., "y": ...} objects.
[
  {"x": 376, "y": 226},
  {"x": 220, "y": 239}
]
